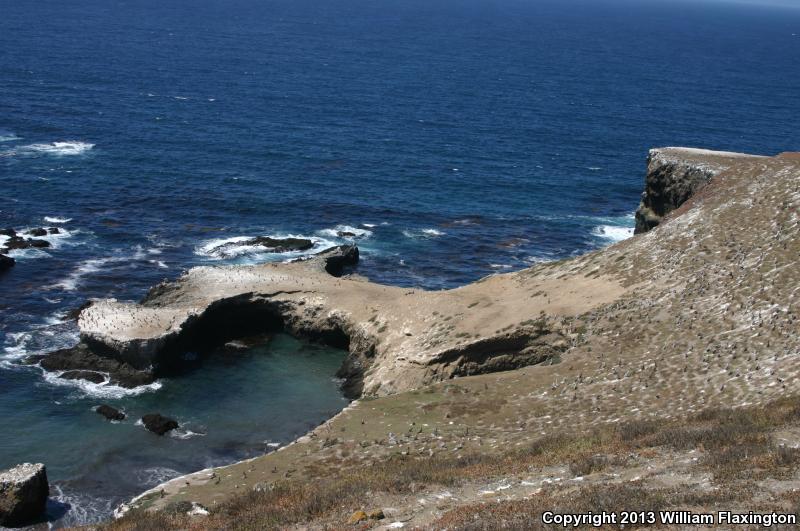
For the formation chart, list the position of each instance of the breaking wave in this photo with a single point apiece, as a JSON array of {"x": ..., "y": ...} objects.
[
  {"x": 58, "y": 149},
  {"x": 100, "y": 390},
  {"x": 227, "y": 248},
  {"x": 422, "y": 233},
  {"x": 615, "y": 229},
  {"x": 54, "y": 219},
  {"x": 94, "y": 265},
  {"x": 347, "y": 232}
]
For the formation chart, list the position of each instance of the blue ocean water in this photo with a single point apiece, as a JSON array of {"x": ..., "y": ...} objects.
[{"x": 455, "y": 138}]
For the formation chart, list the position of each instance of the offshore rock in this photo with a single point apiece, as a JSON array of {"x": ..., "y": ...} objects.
[
  {"x": 23, "y": 495},
  {"x": 110, "y": 413},
  {"x": 82, "y": 361},
  {"x": 6, "y": 263},
  {"x": 19, "y": 243},
  {"x": 676, "y": 174},
  {"x": 159, "y": 424}
]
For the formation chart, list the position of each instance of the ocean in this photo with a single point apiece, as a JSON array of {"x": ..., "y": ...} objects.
[{"x": 449, "y": 139}]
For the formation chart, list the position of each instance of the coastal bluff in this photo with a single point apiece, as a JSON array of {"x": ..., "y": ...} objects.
[
  {"x": 675, "y": 174},
  {"x": 699, "y": 314},
  {"x": 400, "y": 339}
]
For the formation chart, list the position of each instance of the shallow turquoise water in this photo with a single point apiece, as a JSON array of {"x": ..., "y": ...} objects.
[{"x": 231, "y": 407}]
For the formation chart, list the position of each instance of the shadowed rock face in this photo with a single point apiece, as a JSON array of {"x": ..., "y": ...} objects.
[
  {"x": 23, "y": 495},
  {"x": 674, "y": 175}
]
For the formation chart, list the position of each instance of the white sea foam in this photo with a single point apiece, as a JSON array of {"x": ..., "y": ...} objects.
[
  {"x": 53, "y": 219},
  {"x": 58, "y": 149},
  {"x": 83, "y": 508},
  {"x": 154, "y": 475},
  {"x": 184, "y": 434},
  {"x": 87, "y": 267},
  {"x": 28, "y": 253},
  {"x": 93, "y": 265},
  {"x": 344, "y": 231},
  {"x": 8, "y": 137},
  {"x": 100, "y": 390},
  {"x": 226, "y": 248},
  {"x": 56, "y": 241},
  {"x": 422, "y": 233},
  {"x": 613, "y": 233},
  {"x": 222, "y": 248}
]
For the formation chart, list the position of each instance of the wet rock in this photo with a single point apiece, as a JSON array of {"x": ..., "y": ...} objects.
[
  {"x": 281, "y": 245},
  {"x": 336, "y": 259},
  {"x": 346, "y": 234},
  {"x": 90, "y": 376},
  {"x": 17, "y": 243},
  {"x": 37, "y": 232},
  {"x": 158, "y": 423},
  {"x": 23, "y": 495},
  {"x": 110, "y": 413},
  {"x": 53, "y": 230},
  {"x": 81, "y": 358},
  {"x": 357, "y": 517},
  {"x": 6, "y": 263}
]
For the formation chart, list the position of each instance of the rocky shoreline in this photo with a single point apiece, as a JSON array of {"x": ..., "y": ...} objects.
[
  {"x": 398, "y": 339},
  {"x": 690, "y": 315},
  {"x": 12, "y": 240}
]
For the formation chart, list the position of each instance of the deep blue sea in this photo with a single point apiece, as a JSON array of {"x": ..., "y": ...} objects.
[{"x": 455, "y": 138}]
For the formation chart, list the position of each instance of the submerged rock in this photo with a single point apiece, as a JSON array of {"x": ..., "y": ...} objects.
[
  {"x": 6, "y": 263},
  {"x": 159, "y": 424},
  {"x": 23, "y": 494},
  {"x": 110, "y": 413}
]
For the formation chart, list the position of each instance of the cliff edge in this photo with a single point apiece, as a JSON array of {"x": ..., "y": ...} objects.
[
  {"x": 674, "y": 174},
  {"x": 699, "y": 314}
]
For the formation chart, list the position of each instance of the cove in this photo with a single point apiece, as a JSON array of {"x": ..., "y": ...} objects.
[{"x": 235, "y": 406}]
